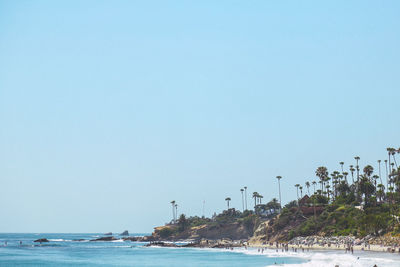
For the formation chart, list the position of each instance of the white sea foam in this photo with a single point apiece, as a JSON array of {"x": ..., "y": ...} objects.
[
  {"x": 118, "y": 240},
  {"x": 327, "y": 258},
  {"x": 324, "y": 259}
]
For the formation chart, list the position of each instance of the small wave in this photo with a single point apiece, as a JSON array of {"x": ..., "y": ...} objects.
[
  {"x": 118, "y": 240},
  {"x": 324, "y": 259},
  {"x": 319, "y": 259},
  {"x": 59, "y": 240}
]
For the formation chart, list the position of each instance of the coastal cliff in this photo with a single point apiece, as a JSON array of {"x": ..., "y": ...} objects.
[
  {"x": 234, "y": 231},
  {"x": 230, "y": 224},
  {"x": 294, "y": 225}
]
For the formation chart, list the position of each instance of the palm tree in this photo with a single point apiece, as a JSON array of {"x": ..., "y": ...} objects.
[
  {"x": 297, "y": 187},
  {"x": 255, "y": 196},
  {"x": 366, "y": 188},
  {"x": 301, "y": 191},
  {"x": 173, "y": 211},
  {"x": 245, "y": 196},
  {"x": 352, "y": 173},
  {"x": 320, "y": 190},
  {"x": 176, "y": 210},
  {"x": 327, "y": 181},
  {"x": 381, "y": 192},
  {"x": 260, "y": 197},
  {"x": 308, "y": 187},
  {"x": 339, "y": 177},
  {"x": 357, "y": 158},
  {"x": 279, "y": 185},
  {"x": 227, "y": 201},
  {"x": 241, "y": 191},
  {"x": 327, "y": 190},
  {"x": 322, "y": 173},
  {"x": 368, "y": 170},
  {"x": 345, "y": 176},
  {"x": 341, "y": 165},
  {"x": 335, "y": 188},
  {"x": 314, "y": 183},
  {"x": 375, "y": 177},
  {"x": 379, "y": 166},
  {"x": 392, "y": 152},
  {"x": 387, "y": 175}
]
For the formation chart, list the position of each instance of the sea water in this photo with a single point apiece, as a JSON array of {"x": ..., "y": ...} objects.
[{"x": 63, "y": 251}]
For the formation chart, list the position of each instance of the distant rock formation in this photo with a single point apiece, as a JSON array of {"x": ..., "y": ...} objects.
[
  {"x": 125, "y": 232},
  {"x": 41, "y": 240},
  {"x": 109, "y": 233},
  {"x": 106, "y": 238}
]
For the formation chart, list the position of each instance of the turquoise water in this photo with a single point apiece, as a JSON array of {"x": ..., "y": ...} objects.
[{"x": 62, "y": 251}]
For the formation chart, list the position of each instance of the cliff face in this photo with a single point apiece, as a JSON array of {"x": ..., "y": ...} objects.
[
  {"x": 234, "y": 231},
  {"x": 276, "y": 229}
]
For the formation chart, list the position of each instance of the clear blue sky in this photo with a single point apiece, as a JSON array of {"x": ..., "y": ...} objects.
[{"x": 111, "y": 109}]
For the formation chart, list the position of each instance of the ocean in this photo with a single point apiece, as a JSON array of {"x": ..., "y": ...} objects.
[{"x": 62, "y": 251}]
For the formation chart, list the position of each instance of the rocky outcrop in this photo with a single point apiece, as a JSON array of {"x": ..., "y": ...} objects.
[
  {"x": 271, "y": 231},
  {"x": 139, "y": 238},
  {"x": 161, "y": 244},
  {"x": 233, "y": 231},
  {"x": 109, "y": 233},
  {"x": 125, "y": 233},
  {"x": 106, "y": 238},
  {"x": 204, "y": 243},
  {"x": 41, "y": 240},
  {"x": 260, "y": 234}
]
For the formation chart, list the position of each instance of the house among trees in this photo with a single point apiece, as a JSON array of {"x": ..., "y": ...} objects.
[{"x": 269, "y": 209}]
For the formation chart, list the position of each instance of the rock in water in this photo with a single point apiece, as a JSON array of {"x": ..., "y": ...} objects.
[
  {"x": 125, "y": 232},
  {"x": 161, "y": 244},
  {"x": 41, "y": 240},
  {"x": 106, "y": 238},
  {"x": 109, "y": 233}
]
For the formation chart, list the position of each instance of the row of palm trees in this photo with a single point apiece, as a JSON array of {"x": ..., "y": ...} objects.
[
  {"x": 331, "y": 185},
  {"x": 256, "y": 196},
  {"x": 364, "y": 185}
]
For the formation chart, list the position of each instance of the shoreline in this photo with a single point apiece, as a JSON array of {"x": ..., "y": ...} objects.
[{"x": 344, "y": 248}]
